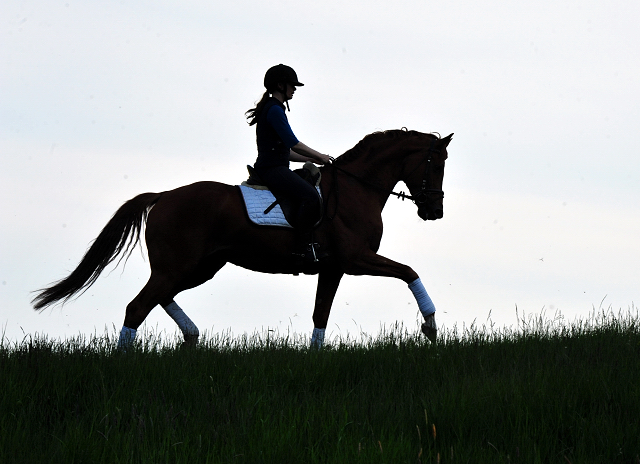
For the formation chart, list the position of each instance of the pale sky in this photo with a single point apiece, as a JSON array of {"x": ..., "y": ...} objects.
[{"x": 101, "y": 101}]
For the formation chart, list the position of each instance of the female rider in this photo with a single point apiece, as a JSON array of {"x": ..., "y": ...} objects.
[{"x": 277, "y": 145}]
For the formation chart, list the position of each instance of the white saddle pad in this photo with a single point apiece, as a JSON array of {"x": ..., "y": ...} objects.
[{"x": 257, "y": 201}]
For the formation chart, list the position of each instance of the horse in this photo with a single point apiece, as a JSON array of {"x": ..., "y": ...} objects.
[{"x": 191, "y": 232}]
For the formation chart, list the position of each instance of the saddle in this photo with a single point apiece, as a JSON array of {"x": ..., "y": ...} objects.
[
  {"x": 309, "y": 172},
  {"x": 265, "y": 208}
]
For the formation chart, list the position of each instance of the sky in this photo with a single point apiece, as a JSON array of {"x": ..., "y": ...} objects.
[{"x": 101, "y": 101}]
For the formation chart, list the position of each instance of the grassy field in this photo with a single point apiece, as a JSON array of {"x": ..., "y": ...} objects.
[{"x": 544, "y": 391}]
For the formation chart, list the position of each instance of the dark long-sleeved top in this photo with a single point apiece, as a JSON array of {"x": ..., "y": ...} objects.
[{"x": 274, "y": 136}]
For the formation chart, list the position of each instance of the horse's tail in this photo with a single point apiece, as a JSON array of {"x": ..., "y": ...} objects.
[{"x": 122, "y": 233}]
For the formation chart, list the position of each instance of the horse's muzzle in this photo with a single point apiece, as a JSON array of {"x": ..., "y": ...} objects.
[{"x": 431, "y": 214}]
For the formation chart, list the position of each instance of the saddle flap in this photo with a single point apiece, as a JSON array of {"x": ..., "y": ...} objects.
[
  {"x": 264, "y": 209},
  {"x": 287, "y": 206}
]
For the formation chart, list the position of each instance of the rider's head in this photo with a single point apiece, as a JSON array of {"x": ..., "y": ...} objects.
[
  {"x": 281, "y": 81},
  {"x": 278, "y": 79}
]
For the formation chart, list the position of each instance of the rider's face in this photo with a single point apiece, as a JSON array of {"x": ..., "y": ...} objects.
[{"x": 290, "y": 90}]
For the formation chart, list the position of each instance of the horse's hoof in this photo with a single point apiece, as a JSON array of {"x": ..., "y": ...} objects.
[{"x": 429, "y": 328}]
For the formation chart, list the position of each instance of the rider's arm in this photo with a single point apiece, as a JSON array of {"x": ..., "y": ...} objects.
[
  {"x": 293, "y": 156},
  {"x": 299, "y": 151},
  {"x": 302, "y": 152}
]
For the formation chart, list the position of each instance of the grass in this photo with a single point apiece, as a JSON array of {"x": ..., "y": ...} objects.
[{"x": 545, "y": 391}]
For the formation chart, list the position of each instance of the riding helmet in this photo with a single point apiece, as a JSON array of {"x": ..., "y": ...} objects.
[{"x": 280, "y": 74}]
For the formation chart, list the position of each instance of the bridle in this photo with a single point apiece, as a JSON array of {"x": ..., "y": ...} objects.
[{"x": 419, "y": 200}]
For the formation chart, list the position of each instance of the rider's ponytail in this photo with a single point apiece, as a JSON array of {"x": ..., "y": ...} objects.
[{"x": 253, "y": 113}]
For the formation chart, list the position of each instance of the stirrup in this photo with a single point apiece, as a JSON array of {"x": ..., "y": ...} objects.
[
  {"x": 309, "y": 248},
  {"x": 308, "y": 253},
  {"x": 312, "y": 249}
]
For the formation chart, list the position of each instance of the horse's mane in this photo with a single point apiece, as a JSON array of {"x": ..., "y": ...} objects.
[{"x": 374, "y": 137}]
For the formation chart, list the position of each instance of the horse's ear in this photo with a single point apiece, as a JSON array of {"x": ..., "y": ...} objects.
[{"x": 445, "y": 141}]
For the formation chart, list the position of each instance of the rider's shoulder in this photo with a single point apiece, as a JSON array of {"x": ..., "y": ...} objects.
[
  {"x": 273, "y": 102},
  {"x": 274, "y": 108}
]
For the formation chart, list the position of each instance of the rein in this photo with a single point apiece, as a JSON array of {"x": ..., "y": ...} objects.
[{"x": 419, "y": 199}]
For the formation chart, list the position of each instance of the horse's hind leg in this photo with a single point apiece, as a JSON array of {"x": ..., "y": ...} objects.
[
  {"x": 189, "y": 329},
  {"x": 205, "y": 271},
  {"x": 156, "y": 291},
  {"x": 161, "y": 289}
]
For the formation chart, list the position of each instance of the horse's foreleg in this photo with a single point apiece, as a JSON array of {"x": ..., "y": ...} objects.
[
  {"x": 376, "y": 265},
  {"x": 427, "y": 308},
  {"x": 188, "y": 328},
  {"x": 328, "y": 282}
]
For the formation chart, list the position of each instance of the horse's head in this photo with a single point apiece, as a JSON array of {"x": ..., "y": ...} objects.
[
  {"x": 423, "y": 174},
  {"x": 382, "y": 159}
]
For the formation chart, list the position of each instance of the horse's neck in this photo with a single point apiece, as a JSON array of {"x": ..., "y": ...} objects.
[{"x": 381, "y": 170}]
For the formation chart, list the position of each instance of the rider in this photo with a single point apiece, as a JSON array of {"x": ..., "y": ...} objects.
[{"x": 277, "y": 145}]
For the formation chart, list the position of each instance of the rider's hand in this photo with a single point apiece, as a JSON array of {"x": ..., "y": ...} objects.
[{"x": 326, "y": 159}]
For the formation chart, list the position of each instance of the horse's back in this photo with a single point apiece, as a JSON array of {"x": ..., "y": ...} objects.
[
  {"x": 200, "y": 190},
  {"x": 194, "y": 211},
  {"x": 198, "y": 196}
]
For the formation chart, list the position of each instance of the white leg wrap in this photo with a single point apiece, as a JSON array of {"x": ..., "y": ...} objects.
[
  {"x": 317, "y": 338},
  {"x": 127, "y": 336},
  {"x": 186, "y": 325},
  {"x": 425, "y": 304}
]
